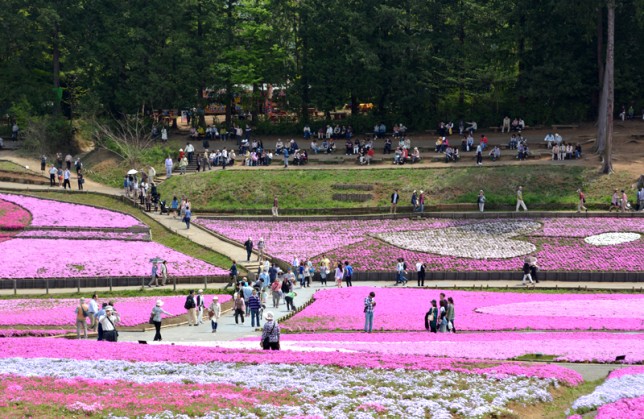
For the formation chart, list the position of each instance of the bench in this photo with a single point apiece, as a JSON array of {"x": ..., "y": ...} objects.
[{"x": 555, "y": 127}]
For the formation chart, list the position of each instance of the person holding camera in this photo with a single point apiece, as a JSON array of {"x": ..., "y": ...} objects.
[{"x": 108, "y": 322}]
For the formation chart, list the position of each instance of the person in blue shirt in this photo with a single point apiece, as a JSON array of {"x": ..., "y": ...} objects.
[
  {"x": 348, "y": 273},
  {"x": 187, "y": 216}
]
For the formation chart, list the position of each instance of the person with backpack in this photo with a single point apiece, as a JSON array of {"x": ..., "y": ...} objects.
[
  {"x": 348, "y": 273},
  {"x": 82, "y": 312},
  {"x": 191, "y": 306}
]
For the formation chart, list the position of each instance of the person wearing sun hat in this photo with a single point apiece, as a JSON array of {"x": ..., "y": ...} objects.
[
  {"x": 156, "y": 318},
  {"x": 270, "y": 333},
  {"x": 214, "y": 313},
  {"x": 108, "y": 322}
]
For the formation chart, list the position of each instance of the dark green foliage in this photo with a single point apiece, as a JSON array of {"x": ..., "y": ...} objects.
[{"x": 417, "y": 61}]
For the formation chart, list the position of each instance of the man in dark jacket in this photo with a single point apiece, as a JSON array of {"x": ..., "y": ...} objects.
[{"x": 248, "y": 244}]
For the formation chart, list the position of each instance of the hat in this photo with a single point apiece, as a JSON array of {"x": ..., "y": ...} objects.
[
  {"x": 200, "y": 291},
  {"x": 109, "y": 308},
  {"x": 268, "y": 315},
  {"x": 215, "y": 298},
  {"x": 414, "y": 190},
  {"x": 181, "y": 149},
  {"x": 421, "y": 191},
  {"x": 159, "y": 303}
]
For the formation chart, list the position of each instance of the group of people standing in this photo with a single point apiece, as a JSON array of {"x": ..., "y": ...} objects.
[
  {"x": 103, "y": 319},
  {"x": 440, "y": 317}
]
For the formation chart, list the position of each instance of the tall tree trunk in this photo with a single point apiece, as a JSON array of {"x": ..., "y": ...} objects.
[
  {"x": 609, "y": 89},
  {"x": 302, "y": 63},
  {"x": 56, "y": 69}
]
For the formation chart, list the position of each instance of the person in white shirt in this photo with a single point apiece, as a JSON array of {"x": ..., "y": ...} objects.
[
  {"x": 214, "y": 313},
  {"x": 506, "y": 124},
  {"x": 168, "y": 167},
  {"x": 108, "y": 322},
  {"x": 558, "y": 138},
  {"x": 549, "y": 139},
  {"x": 164, "y": 135}
]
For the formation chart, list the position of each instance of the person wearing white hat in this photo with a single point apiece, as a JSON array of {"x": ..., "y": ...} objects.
[
  {"x": 155, "y": 318},
  {"x": 108, "y": 323},
  {"x": 200, "y": 306},
  {"x": 214, "y": 313},
  {"x": 270, "y": 333}
]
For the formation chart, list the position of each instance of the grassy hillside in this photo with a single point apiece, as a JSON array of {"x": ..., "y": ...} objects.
[{"x": 254, "y": 189}]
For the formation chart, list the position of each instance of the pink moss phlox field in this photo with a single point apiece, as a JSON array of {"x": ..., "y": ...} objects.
[
  {"x": 626, "y": 371},
  {"x": 285, "y": 239},
  {"x": 12, "y": 216},
  {"x": 572, "y": 347},
  {"x": 20, "y": 333},
  {"x": 85, "y": 235},
  {"x": 89, "y": 350},
  {"x": 405, "y": 308},
  {"x": 54, "y": 213},
  {"x": 556, "y": 254},
  {"x": 60, "y": 312},
  {"x": 92, "y": 397},
  {"x": 622, "y": 409},
  {"x": 60, "y": 258},
  {"x": 560, "y": 242}
]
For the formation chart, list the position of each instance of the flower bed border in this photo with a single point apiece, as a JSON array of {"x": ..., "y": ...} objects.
[{"x": 103, "y": 282}]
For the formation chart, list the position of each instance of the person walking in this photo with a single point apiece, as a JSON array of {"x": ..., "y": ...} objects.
[
  {"x": 369, "y": 305},
  {"x": 155, "y": 276},
  {"x": 248, "y": 245},
  {"x": 156, "y": 318},
  {"x": 275, "y": 208},
  {"x": 270, "y": 333},
  {"x": 582, "y": 201},
  {"x": 624, "y": 201},
  {"x": 164, "y": 273},
  {"x": 190, "y": 306},
  {"x": 108, "y": 323},
  {"x": 200, "y": 305},
  {"x": 261, "y": 246},
  {"x": 395, "y": 197},
  {"x": 187, "y": 216},
  {"x": 479, "y": 155},
  {"x": 481, "y": 201},
  {"x": 52, "y": 175},
  {"x": 66, "y": 176},
  {"x": 534, "y": 269},
  {"x": 82, "y": 313},
  {"x": 339, "y": 274},
  {"x": 81, "y": 180},
  {"x": 255, "y": 305},
  {"x": 520, "y": 202},
  {"x": 276, "y": 292},
  {"x": 289, "y": 297},
  {"x": 240, "y": 308},
  {"x": 348, "y": 273},
  {"x": 214, "y": 313}
]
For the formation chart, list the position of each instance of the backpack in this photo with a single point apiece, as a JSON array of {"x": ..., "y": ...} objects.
[{"x": 190, "y": 303}]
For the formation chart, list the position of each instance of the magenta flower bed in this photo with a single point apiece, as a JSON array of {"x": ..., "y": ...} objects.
[
  {"x": 558, "y": 254},
  {"x": 405, "y": 308},
  {"x": 47, "y": 212},
  {"x": 559, "y": 243},
  {"x": 90, "y": 350},
  {"x": 21, "y": 333},
  {"x": 60, "y": 258},
  {"x": 60, "y": 312},
  {"x": 87, "y": 234},
  {"x": 571, "y": 347},
  {"x": 12, "y": 216},
  {"x": 624, "y": 408},
  {"x": 286, "y": 239},
  {"x": 626, "y": 371}
]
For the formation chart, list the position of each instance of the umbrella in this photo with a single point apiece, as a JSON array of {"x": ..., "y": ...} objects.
[
  {"x": 132, "y": 172},
  {"x": 156, "y": 260}
]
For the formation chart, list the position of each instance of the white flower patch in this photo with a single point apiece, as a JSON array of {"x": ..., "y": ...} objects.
[
  {"x": 613, "y": 389},
  {"x": 609, "y": 239},
  {"x": 475, "y": 241},
  {"x": 329, "y": 391}
]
